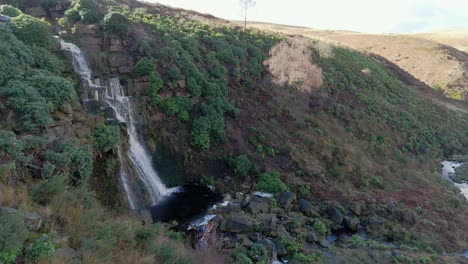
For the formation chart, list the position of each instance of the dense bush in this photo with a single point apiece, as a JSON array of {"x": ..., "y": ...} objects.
[
  {"x": 41, "y": 248},
  {"x": 240, "y": 165},
  {"x": 11, "y": 148},
  {"x": 177, "y": 105},
  {"x": 43, "y": 59},
  {"x": 106, "y": 137},
  {"x": 144, "y": 66},
  {"x": 116, "y": 23},
  {"x": 56, "y": 90},
  {"x": 28, "y": 102},
  {"x": 48, "y": 189},
  {"x": 46, "y": 4},
  {"x": 84, "y": 10},
  {"x": 271, "y": 182},
  {"x": 72, "y": 159},
  {"x": 10, "y": 11},
  {"x": 13, "y": 233},
  {"x": 31, "y": 30}
]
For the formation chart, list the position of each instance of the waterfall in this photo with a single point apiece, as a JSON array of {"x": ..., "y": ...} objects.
[{"x": 122, "y": 107}]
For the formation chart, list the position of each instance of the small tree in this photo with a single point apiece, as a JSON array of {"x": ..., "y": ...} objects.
[
  {"x": 116, "y": 23},
  {"x": 246, "y": 4}
]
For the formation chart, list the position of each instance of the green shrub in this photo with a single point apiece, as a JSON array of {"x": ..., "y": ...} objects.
[
  {"x": 106, "y": 138},
  {"x": 240, "y": 165},
  {"x": 320, "y": 228},
  {"x": 144, "y": 66},
  {"x": 14, "y": 3},
  {"x": 13, "y": 233},
  {"x": 27, "y": 102},
  {"x": 304, "y": 190},
  {"x": 31, "y": 30},
  {"x": 46, "y": 4},
  {"x": 84, "y": 10},
  {"x": 177, "y": 105},
  {"x": 40, "y": 248},
  {"x": 43, "y": 59},
  {"x": 48, "y": 189},
  {"x": 144, "y": 48},
  {"x": 116, "y": 23},
  {"x": 10, "y": 11},
  {"x": 201, "y": 132},
  {"x": 10, "y": 147},
  {"x": 271, "y": 182},
  {"x": 56, "y": 90}
]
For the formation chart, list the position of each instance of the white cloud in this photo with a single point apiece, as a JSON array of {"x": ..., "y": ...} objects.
[{"x": 357, "y": 15}]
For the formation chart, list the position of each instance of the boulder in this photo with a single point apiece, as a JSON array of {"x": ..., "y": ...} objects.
[
  {"x": 257, "y": 208},
  {"x": 238, "y": 223},
  {"x": 280, "y": 249},
  {"x": 66, "y": 254},
  {"x": 356, "y": 208},
  {"x": 352, "y": 223},
  {"x": 246, "y": 200},
  {"x": 312, "y": 236},
  {"x": 335, "y": 215},
  {"x": 286, "y": 199},
  {"x": 324, "y": 243},
  {"x": 306, "y": 208},
  {"x": 244, "y": 240},
  {"x": 375, "y": 220}
]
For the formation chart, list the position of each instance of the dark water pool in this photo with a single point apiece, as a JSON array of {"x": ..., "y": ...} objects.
[{"x": 189, "y": 201}]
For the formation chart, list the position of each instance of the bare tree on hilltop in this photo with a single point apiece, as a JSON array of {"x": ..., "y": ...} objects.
[{"x": 246, "y": 4}]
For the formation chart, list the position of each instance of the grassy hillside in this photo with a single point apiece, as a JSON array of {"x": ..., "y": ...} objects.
[
  {"x": 241, "y": 110},
  {"x": 429, "y": 57}
]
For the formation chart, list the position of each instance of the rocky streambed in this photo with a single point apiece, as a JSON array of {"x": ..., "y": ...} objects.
[{"x": 449, "y": 173}]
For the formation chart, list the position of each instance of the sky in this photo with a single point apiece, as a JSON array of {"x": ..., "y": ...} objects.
[{"x": 372, "y": 16}]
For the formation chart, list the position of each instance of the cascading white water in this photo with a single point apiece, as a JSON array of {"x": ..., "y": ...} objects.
[{"x": 122, "y": 106}]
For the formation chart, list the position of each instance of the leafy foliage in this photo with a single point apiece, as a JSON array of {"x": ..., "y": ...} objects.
[
  {"x": 116, "y": 23},
  {"x": 84, "y": 10},
  {"x": 13, "y": 233},
  {"x": 31, "y": 30},
  {"x": 106, "y": 137},
  {"x": 10, "y": 11},
  {"x": 144, "y": 66},
  {"x": 40, "y": 248},
  {"x": 271, "y": 182},
  {"x": 240, "y": 165},
  {"x": 177, "y": 105}
]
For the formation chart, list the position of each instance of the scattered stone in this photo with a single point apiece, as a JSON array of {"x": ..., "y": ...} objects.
[
  {"x": 280, "y": 249},
  {"x": 375, "y": 220},
  {"x": 355, "y": 207},
  {"x": 286, "y": 199},
  {"x": 238, "y": 223},
  {"x": 245, "y": 200},
  {"x": 352, "y": 223},
  {"x": 324, "y": 243},
  {"x": 258, "y": 208},
  {"x": 335, "y": 215},
  {"x": 244, "y": 240}
]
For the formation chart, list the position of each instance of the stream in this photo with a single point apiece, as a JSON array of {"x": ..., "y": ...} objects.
[{"x": 448, "y": 169}]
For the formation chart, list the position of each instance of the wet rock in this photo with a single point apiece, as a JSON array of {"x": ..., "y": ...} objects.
[
  {"x": 238, "y": 223},
  {"x": 335, "y": 215},
  {"x": 280, "y": 249},
  {"x": 268, "y": 219},
  {"x": 356, "y": 208},
  {"x": 375, "y": 220},
  {"x": 257, "y": 208},
  {"x": 286, "y": 199},
  {"x": 312, "y": 236},
  {"x": 244, "y": 240},
  {"x": 125, "y": 69},
  {"x": 324, "y": 243},
  {"x": 391, "y": 206},
  {"x": 306, "y": 208},
  {"x": 352, "y": 223},
  {"x": 246, "y": 200}
]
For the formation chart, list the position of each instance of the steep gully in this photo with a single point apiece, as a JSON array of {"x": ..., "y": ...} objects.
[{"x": 180, "y": 203}]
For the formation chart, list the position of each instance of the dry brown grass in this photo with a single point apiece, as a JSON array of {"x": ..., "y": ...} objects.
[
  {"x": 11, "y": 196},
  {"x": 290, "y": 63}
]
